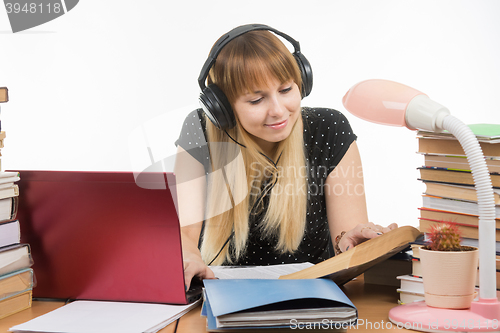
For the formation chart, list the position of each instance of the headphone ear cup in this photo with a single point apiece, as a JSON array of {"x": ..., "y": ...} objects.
[
  {"x": 217, "y": 107},
  {"x": 305, "y": 72}
]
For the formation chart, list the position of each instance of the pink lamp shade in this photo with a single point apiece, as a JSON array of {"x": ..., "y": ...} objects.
[{"x": 380, "y": 101}]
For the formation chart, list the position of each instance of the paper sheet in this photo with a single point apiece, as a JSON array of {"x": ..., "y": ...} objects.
[
  {"x": 97, "y": 316},
  {"x": 257, "y": 272}
]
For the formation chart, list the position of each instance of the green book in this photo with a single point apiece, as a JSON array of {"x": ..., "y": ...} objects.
[{"x": 484, "y": 132}]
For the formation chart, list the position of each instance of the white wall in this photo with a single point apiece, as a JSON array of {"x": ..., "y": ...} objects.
[{"x": 83, "y": 83}]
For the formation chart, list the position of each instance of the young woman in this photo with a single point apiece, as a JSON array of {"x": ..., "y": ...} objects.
[{"x": 263, "y": 180}]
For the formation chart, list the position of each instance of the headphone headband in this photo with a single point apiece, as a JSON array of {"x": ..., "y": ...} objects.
[{"x": 226, "y": 38}]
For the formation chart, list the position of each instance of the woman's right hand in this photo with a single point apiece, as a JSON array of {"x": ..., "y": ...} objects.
[
  {"x": 196, "y": 268},
  {"x": 191, "y": 189},
  {"x": 363, "y": 232}
]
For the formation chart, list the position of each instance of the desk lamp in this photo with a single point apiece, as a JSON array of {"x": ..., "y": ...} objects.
[{"x": 391, "y": 103}]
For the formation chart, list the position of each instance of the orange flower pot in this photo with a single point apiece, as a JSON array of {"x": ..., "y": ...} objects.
[{"x": 449, "y": 277}]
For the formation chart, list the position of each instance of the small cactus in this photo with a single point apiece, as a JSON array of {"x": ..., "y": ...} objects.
[{"x": 444, "y": 237}]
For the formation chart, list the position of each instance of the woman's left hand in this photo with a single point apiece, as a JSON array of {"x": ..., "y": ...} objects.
[{"x": 363, "y": 232}]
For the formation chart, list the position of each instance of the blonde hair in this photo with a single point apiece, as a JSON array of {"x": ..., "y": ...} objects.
[{"x": 247, "y": 62}]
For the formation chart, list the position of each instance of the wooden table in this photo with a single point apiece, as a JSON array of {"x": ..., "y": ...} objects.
[{"x": 372, "y": 301}]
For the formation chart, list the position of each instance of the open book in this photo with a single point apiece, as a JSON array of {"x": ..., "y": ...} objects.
[{"x": 345, "y": 266}]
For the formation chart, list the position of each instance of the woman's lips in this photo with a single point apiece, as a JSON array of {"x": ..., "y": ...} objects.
[{"x": 278, "y": 125}]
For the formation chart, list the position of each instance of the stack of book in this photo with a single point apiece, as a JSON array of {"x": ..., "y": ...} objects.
[
  {"x": 386, "y": 273},
  {"x": 4, "y": 97},
  {"x": 16, "y": 276},
  {"x": 450, "y": 195},
  {"x": 411, "y": 286}
]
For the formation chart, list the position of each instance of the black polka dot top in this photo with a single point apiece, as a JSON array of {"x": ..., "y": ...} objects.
[{"x": 327, "y": 136}]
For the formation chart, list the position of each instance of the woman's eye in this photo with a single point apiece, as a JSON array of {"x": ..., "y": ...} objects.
[
  {"x": 256, "y": 101},
  {"x": 284, "y": 91}
]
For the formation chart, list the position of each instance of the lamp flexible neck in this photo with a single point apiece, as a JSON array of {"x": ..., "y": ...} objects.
[{"x": 486, "y": 204}]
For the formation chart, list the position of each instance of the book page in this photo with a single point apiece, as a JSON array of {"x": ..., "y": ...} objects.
[{"x": 257, "y": 272}]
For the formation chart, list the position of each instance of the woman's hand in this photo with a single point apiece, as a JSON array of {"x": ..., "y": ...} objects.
[
  {"x": 361, "y": 233},
  {"x": 196, "y": 269},
  {"x": 194, "y": 266}
]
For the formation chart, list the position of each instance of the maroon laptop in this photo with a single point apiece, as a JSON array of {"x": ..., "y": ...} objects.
[{"x": 100, "y": 236}]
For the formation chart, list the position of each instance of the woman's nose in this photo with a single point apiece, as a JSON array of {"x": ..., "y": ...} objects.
[{"x": 277, "y": 108}]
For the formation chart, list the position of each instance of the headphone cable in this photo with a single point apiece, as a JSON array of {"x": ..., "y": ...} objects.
[
  {"x": 275, "y": 164},
  {"x": 222, "y": 248}
]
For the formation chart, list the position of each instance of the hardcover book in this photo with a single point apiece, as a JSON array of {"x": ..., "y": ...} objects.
[
  {"x": 347, "y": 265},
  {"x": 4, "y": 94},
  {"x": 10, "y": 233},
  {"x": 16, "y": 283},
  {"x": 15, "y": 257},
  {"x": 14, "y": 304},
  {"x": 453, "y": 176}
]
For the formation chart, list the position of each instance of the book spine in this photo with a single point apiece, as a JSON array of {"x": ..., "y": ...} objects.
[
  {"x": 15, "y": 304},
  {"x": 4, "y": 94}
]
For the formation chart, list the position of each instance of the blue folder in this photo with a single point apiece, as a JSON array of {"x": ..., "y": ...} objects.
[{"x": 229, "y": 296}]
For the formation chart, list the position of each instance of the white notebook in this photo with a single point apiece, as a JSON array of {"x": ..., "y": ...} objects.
[{"x": 110, "y": 317}]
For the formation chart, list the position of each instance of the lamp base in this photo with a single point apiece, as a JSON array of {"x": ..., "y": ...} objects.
[{"x": 420, "y": 317}]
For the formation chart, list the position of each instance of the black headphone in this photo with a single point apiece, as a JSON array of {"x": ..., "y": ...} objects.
[{"x": 215, "y": 103}]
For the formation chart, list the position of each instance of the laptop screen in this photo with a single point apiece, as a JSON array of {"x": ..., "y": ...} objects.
[{"x": 100, "y": 236}]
